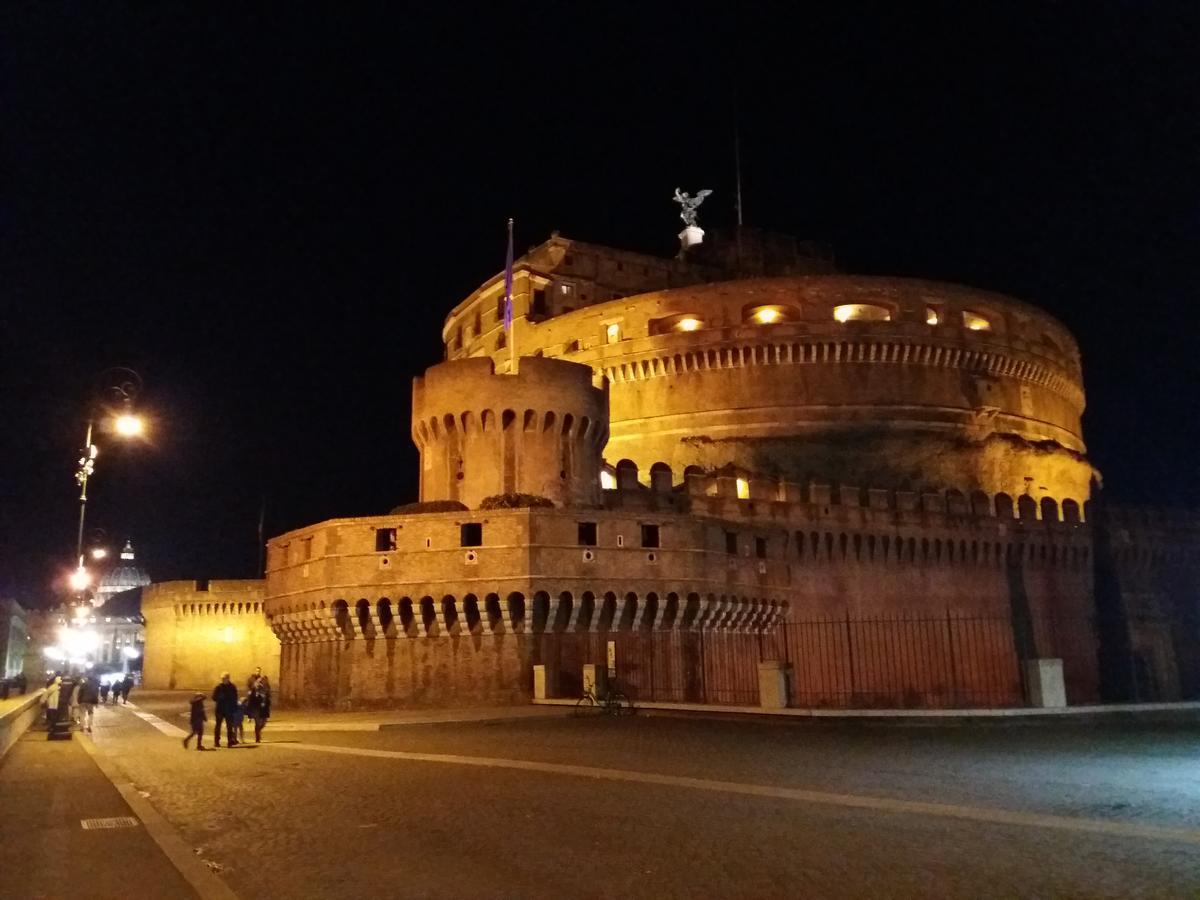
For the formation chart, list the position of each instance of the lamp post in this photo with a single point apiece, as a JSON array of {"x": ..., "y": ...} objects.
[{"x": 118, "y": 388}]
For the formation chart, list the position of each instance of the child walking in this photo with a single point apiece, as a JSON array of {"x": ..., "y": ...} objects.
[{"x": 198, "y": 720}]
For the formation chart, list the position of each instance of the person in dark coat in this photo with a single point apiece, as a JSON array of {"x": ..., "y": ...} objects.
[
  {"x": 225, "y": 700},
  {"x": 89, "y": 696},
  {"x": 104, "y": 692},
  {"x": 198, "y": 719},
  {"x": 258, "y": 707}
]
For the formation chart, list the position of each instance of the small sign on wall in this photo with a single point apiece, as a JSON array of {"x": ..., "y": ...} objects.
[{"x": 612, "y": 659}]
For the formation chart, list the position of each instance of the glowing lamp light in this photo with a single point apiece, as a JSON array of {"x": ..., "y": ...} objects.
[
  {"x": 688, "y": 324},
  {"x": 931, "y": 316},
  {"x": 608, "y": 481},
  {"x": 864, "y": 312},
  {"x": 975, "y": 322},
  {"x": 80, "y": 579},
  {"x": 130, "y": 652},
  {"x": 129, "y": 425},
  {"x": 767, "y": 316},
  {"x": 99, "y": 553}
]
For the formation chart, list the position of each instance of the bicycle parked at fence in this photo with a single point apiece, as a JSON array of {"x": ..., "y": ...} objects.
[{"x": 613, "y": 701}]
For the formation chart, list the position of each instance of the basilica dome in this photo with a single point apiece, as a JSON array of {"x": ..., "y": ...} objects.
[{"x": 124, "y": 576}]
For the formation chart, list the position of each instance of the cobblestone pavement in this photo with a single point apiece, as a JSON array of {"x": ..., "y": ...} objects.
[{"x": 318, "y": 824}]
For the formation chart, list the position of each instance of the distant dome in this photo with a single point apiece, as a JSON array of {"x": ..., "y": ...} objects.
[{"x": 124, "y": 576}]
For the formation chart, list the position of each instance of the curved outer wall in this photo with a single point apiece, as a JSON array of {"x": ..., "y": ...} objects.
[
  {"x": 899, "y": 402},
  {"x": 540, "y": 431}
]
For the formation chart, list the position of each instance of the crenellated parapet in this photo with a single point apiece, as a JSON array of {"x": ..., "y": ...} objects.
[{"x": 737, "y": 494}]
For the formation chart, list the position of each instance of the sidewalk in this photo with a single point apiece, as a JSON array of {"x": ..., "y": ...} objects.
[{"x": 49, "y": 792}]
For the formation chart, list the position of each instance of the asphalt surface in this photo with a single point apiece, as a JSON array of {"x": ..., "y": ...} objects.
[{"x": 770, "y": 810}]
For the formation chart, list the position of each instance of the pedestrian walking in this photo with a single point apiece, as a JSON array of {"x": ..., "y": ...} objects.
[
  {"x": 126, "y": 687},
  {"x": 258, "y": 707},
  {"x": 73, "y": 699},
  {"x": 103, "y": 691},
  {"x": 255, "y": 677},
  {"x": 50, "y": 701},
  {"x": 198, "y": 719},
  {"x": 225, "y": 707},
  {"x": 89, "y": 694}
]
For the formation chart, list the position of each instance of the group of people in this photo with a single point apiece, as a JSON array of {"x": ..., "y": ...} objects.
[
  {"x": 232, "y": 711},
  {"x": 81, "y": 696}
]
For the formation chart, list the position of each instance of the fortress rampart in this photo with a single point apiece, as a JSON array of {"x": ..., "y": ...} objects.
[{"x": 195, "y": 630}]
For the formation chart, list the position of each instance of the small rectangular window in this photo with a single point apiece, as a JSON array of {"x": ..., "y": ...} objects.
[
  {"x": 731, "y": 542},
  {"x": 587, "y": 534},
  {"x": 385, "y": 539},
  {"x": 649, "y": 535},
  {"x": 305, "y": 548},
  {"x": 760, "y": 547},
  {"x": 500, "y": 308},
  {"x": 539, "y": 302},
  {"x": 471, "y": 534},
  {"x": 612, "y": 332}
]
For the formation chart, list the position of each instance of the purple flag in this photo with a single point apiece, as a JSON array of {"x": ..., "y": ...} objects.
[{"x": 508, "y": 279}]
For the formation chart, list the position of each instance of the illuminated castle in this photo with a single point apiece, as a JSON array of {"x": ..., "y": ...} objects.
[{"x": 664, "y": 452}]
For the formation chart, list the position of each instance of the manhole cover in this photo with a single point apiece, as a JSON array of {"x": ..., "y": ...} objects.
[{"x": 111, "y": 822}]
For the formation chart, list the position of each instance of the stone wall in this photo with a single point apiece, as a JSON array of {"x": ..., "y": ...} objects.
[
  {"x": 197, "y": 630},
  {"x": 427, "y": 620}
]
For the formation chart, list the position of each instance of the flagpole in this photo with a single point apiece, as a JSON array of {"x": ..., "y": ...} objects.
[{"x": 508, "y": 299}]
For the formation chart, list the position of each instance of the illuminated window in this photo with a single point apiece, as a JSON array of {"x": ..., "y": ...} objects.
[
  {"x": 688, "y": 323},
  {"x": 743, "y": 489},
  {"x": 767, "y": 316},
  {"x": 931, "y": 316},
  {"x": 612, "y": 332},
  {"x": 567, "y": 290},
  {"x": 861, "y": 312},
  {"x": 608, "y": 481},
  {"x": 973, "y": 321}
]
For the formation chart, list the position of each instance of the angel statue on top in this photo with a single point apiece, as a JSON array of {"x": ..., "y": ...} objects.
[{"x": 688, "y": 206}]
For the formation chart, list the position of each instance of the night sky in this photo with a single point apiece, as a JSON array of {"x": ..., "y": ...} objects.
[{"x": 268, "y": 214}]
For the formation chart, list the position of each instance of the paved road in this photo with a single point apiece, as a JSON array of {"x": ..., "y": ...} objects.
[{"x": 668, "y": 807}]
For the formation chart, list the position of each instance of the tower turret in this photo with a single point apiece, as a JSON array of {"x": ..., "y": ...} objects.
[{"x": 480, "y": 433}]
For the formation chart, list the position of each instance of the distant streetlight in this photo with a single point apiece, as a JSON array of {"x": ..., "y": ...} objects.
[{"x": 118, "y": 390}]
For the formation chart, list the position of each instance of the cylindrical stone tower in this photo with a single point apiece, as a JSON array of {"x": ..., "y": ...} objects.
[{"x": 541, "y": 431}]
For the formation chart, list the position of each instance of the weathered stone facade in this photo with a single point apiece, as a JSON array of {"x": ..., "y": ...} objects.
[{"x": 878, "y": 458}]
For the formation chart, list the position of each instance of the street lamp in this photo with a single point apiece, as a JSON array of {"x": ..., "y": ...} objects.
[{"x": 118, "y": 389}]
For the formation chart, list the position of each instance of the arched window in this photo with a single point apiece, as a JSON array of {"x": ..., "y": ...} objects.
[{"x": 861, "y": 312}]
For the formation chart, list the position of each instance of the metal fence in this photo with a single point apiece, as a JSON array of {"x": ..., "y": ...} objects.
[{"x": 898, "y": 662}]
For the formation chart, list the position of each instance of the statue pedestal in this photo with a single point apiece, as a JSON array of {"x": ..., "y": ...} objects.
[{"x": 690, "y": 237}]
